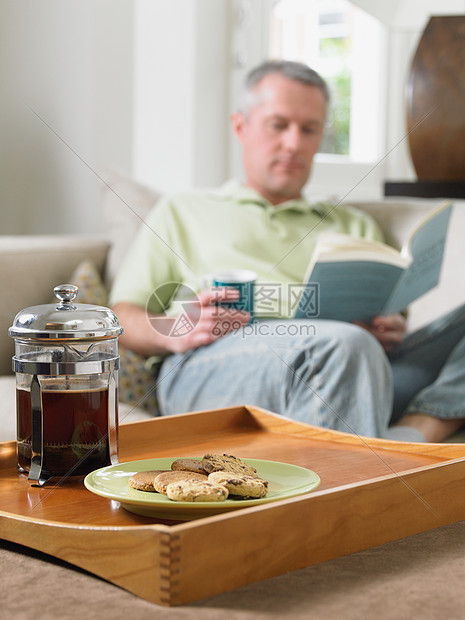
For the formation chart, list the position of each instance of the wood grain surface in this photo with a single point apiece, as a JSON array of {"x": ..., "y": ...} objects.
[{"x": 371, "y": 491}]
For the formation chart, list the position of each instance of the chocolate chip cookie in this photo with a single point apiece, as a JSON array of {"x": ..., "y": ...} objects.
[
  {"x": 194, "y": 465},
  {"x": 196, "y": 491},
  {"x": 227, "y": 462},
  {"x": 161, "y": 481},
  {"x": 240, "y": 485}
]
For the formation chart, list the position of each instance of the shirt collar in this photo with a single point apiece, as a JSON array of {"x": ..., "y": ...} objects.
[{"x": 234, "y": 190}]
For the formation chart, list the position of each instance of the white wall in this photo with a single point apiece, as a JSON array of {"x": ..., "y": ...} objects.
[
  {"x": 181, "y": 86},
  {"x": 67, "y": 71},
  {"x": 136, "y": 85},
  {"x": 409, "y": 15}
]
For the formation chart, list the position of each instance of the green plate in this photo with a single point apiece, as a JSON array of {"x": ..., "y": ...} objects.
[{"x": 284, "y": 480}]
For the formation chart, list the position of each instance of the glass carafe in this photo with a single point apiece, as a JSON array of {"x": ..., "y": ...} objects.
[{"x": 66, "y": 363}]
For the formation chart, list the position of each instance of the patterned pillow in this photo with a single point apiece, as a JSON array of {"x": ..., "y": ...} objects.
[{"x": 136, "y": 379}]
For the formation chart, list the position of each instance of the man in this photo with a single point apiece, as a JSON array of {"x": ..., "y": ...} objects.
[{"x": 326, "y": 373}]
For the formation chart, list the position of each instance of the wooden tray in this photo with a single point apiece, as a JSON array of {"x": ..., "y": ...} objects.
[{"x": 372, "y": 491}]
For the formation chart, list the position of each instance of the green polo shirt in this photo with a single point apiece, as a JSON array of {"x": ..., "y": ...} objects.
[{"x": 188, "y": 236}]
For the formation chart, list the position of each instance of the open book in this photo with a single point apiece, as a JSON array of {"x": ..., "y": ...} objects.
[{"x": 352, "y": 279}]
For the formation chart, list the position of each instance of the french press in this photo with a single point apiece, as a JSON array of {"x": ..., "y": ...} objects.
[{"x": 66, "y": 364}]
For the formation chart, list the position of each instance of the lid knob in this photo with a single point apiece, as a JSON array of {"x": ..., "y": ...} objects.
[{"x": 66, "y": 292}]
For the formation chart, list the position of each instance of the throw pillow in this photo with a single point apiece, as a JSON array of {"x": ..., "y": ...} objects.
[
  {"x": 125, "y": 205},
  {"x": 136, "y": 379}
]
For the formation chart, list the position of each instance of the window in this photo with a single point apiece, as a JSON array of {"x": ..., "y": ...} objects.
[{"x": 344, "y": 44}]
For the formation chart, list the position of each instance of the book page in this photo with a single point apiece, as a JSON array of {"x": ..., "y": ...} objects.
[
  {"x": 426, "y": 247},
  {"x": 351, "y": 290},
  {"x": 340, "y": 247}
]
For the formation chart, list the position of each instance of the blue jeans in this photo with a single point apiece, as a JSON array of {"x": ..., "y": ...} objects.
[
  {"x": 325, "y": 373},
  {"x": 429, "y": 369}
]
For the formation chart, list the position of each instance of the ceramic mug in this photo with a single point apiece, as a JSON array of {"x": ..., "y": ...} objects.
[{"x": 241, "y": 279}]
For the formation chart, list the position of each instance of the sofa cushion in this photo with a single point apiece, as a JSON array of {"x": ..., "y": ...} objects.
[
  {"x": 125, "y": 205},
  {"x": 31, "y": 266}
]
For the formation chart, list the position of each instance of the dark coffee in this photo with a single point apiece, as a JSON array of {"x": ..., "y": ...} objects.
[{"x": 75, "y": 430}]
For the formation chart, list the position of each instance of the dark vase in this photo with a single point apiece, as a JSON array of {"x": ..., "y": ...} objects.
[{"x": 436, "y": 101}]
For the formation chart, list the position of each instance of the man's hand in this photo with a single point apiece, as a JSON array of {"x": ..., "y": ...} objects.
[
  {"x": 210, "y": 321},
  {"x": 389, "y": 330},
  {"x": 154, "y": 334}
]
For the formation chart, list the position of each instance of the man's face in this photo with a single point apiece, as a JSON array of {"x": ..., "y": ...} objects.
[{"x": 280, "y": 136}]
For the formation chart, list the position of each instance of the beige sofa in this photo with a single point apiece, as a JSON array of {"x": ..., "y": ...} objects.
[{"x": 30, "y": 266}]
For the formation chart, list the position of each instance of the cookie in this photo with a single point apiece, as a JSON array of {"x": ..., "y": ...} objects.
[
  {"x": 143, "y": 480},
  {"x": 164, "y": 479},
  {"x": 240, "y": 485},
  {"x": 227, "y": 462},
  {"x": 188, "y": 465},
  {"x": 196, "y": 491}
]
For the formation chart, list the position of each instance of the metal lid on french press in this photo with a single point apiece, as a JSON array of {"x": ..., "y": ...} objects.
[{"x": 65, "y": 320}]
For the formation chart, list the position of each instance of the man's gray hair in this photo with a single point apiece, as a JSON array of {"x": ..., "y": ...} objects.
[{"x": 288, "y": 68}]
